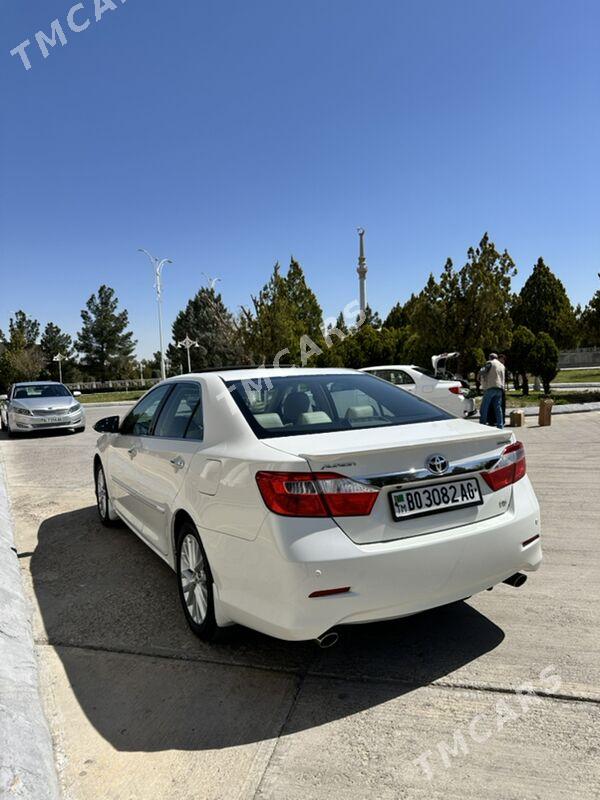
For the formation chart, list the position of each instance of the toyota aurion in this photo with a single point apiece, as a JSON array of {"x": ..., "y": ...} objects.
[{"x": 295, "y": 500}]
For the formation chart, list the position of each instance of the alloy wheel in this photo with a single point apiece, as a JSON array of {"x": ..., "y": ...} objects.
[
  {"x": 193, "y": 577},
  {"x": 101, "y": 494}
]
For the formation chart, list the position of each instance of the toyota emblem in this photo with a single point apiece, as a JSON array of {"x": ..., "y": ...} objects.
[{"x": 437, "y": 464}]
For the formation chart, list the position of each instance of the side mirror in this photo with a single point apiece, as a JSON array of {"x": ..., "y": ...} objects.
[
  {"x": 76, "y": 394},
  {"x": 3, "y": 397},
  {"x": 107, "y": 425}
]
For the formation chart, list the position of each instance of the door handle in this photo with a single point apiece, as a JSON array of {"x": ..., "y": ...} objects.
[
  {"x": 178, "y": 462},
  {"x": 132, "y": 452}
]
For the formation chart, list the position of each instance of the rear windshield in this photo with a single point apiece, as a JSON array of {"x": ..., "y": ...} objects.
[
  {"x": 289, "y": 406},
  {"x": 40, "y": 390}
]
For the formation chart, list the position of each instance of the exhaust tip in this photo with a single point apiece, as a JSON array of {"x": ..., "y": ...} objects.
[
  {"x": 327, "y": 640},
  {"x": 516, "y": 580}
]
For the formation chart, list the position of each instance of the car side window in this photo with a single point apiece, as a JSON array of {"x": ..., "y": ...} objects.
[
  {"x": 401, "y": 378},
  {"x": 178, "y": 411},
  {"x": 139, "y": 420},
  {"x": 195, "y": 429}
]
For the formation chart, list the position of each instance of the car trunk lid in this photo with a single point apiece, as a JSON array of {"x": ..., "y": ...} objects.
[{"x": 394, "y": 458}]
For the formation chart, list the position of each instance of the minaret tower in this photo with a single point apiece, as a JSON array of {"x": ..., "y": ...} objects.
[{"x": 362, "y": 270}]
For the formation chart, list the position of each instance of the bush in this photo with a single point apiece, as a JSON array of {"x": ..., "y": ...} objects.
[
  {"x": 519, "y": 355},
  {"x": 544, "y": 359}
]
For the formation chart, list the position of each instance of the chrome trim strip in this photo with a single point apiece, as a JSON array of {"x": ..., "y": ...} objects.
[{"x": 416, "y": 475}]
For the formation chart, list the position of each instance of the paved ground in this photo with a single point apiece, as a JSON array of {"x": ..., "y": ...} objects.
[{"x": 139, "y": 709}]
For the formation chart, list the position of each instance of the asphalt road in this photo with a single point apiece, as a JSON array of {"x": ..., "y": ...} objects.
[{"x": 140, "y": 709}]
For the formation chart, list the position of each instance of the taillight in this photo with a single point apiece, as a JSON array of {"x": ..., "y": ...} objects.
[
  {"x": 510, "y": 467},
  {"x": 315, "y": 494},
  {"x": 455, "y": 389}
]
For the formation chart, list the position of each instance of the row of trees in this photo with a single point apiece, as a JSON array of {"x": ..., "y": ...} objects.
[
  {"x": 104, "y": 344},
  {"x": 471, "y": 309}
]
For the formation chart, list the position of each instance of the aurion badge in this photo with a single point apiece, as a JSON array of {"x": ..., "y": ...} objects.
[{"x": 437, "y": 464}]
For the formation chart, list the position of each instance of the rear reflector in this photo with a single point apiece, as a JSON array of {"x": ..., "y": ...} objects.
[
  {"x": 327, "y": 592},
  {"x": 315, "y": 494},
  {"x": 510, "y": 467}
]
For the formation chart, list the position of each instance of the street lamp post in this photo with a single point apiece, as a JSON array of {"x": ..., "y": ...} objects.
[
  {"x": 188, "y": 343},
  {"x": 59, "y": 357},
  {"x": 157, "y": 266}
]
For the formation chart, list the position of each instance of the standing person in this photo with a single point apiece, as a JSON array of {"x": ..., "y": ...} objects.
[
  {"x": 502, "y": 360},
  {"x": 492, "y": 378}
]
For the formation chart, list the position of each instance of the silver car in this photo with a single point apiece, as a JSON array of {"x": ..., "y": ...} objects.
[{"x": 40, "y": 406}]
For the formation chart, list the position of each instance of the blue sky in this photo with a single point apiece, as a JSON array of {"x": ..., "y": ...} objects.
[{"x": 228, "y": 134}]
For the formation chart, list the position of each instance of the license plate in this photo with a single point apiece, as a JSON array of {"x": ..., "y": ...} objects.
[
  {"x": 51, "y": 420},
  {"x": 432, "y": 499}
]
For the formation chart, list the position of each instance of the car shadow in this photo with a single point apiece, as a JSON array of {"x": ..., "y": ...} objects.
[
  {"x": 44, "y": 434},
  {"x": 110, "y": 608}
]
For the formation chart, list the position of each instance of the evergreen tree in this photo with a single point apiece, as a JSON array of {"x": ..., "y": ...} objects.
[
  {"x": 24, "y": 328},
  {"x": 544, "y": 359},
  {"x": 340, "y": 323},
  {"x": 266, "y": 328},
  {"x": 371, "y": 318},
  {"x": 467, "y": 310},
  {"x": 284, "y": 324},
  {"x": 519, "y": 356},
  {"x": 104, "y": 342},
  {"x": 365, "y": 347},
  {"x": 543, "y": 305},
  {"x": 590, "y": 322},
  {"x": 55, "y": 341},
  {"x": 427, "y": 328},
  {"x": 308, "y": 316},
  {"x": 399, "y": 315},
  {"x": 206, "y": 320},
  {"x": 21, "y": 358}
]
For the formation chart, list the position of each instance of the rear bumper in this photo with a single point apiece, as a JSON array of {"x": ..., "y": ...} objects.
[
  {"x": 388, "y": 580},
  {"x": 469, "y": 407}
]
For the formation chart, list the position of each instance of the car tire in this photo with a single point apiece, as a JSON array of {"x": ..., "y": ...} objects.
[
  {"x": 103, "y": 501},
  {"x": 195, "y": 583}
]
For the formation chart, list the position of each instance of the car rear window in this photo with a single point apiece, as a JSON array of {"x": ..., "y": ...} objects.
[
  {"x": 429, "y": 372},
  {"x": 295, "y": 405}
]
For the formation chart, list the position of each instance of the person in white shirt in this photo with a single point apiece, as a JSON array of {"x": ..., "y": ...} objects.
[{"x": 492, "y": 378}]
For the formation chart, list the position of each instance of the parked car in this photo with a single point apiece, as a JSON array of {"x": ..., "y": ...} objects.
[
  {"x": 444, "y": 366},
  {"x": 293, "y": 500},
  {"x": 450, "y": 395},
  {"x": 40, "y": 405}
]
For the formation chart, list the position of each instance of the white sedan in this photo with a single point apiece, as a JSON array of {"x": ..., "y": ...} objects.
[
  {"x": 294, "y": 500},
  {"x": 447, "y": 394}
]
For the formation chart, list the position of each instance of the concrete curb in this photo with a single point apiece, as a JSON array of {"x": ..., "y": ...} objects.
[
  {"x": 572, "y": 408},
  {"x": 589, "y": 385},
  {"x": 108, "y": 405},
  {"x": 27, "y": 768}
]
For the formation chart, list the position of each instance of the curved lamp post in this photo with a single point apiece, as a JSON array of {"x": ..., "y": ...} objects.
[
  {"x": 187, "y": 343},
  {"x": 60, "y": 358},
  {"x": 157, "y": 266}
]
